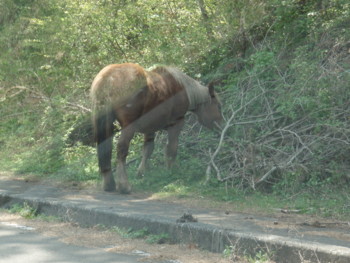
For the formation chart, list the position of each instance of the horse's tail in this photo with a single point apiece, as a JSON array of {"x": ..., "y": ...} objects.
[
  {"x": 103, "y": 121},
  {"x": 103, "y": 124},
  {"x": 103, "y": 115}
]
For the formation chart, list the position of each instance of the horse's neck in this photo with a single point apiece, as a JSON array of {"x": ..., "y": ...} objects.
[{"x": 197, "y": 94}]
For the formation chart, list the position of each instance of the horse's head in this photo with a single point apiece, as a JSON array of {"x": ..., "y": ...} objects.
[{"x": 209, "y": 113}]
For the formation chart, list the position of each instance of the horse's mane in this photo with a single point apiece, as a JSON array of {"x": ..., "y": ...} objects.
[{"x": 196, "y": 92}]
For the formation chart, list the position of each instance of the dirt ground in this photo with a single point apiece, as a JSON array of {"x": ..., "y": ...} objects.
[{"x": 111, "y": 242}]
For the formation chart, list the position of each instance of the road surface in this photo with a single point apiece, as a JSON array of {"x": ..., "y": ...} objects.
[{"x": 20, "y": 244}]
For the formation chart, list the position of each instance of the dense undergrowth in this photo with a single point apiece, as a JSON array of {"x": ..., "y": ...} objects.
[{"x": 281, "y": 69}]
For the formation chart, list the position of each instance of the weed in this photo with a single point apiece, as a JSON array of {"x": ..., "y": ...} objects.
[
  {"x": 24, "y": 210},
  {"x": 260, "y": 257},
  {"x": 48, "y": 218},
  {"x": 157, "y": 239},
  {"x": 131, "y": 233},
  {"x": 142, "y": 233},
  {"x": 228, "y": 251}
]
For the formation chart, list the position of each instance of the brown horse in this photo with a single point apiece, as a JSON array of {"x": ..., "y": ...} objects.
[{"x": 145, "y": 101}]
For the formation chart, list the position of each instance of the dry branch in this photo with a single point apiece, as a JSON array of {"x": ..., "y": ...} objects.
[{"x": 228, "y": 124}]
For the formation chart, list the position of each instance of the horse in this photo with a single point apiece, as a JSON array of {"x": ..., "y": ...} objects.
[{"x": 144, "y": 101}]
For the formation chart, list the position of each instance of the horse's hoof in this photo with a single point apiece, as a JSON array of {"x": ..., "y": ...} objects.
[
  {"x": 124, "y": 189},
  {"x": 109, "y": 187}
]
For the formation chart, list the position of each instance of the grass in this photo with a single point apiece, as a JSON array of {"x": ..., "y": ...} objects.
[
  {"x": 131, "y": 233},
  {"x": 142, "y": 233},
  {"x": 184, "y": 182},
  {"x": 323, "y": 201},
  {"x": 158, "y": 239},
  {"x": 24, "y": 210},
  {"x": 27, "y": 211},
  {"x": 259, "y": 257}
]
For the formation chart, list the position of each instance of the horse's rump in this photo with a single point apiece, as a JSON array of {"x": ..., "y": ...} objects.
[{"x": 115, "y": 84}]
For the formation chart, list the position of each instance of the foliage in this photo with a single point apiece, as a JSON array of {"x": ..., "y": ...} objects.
[
  {"x": 158, "y": 239},
  {"x": 260, "y": 257},
  {"x": 24, "y": 210},
  {"x": 142, "y": 233},
  {"x": 289, "y": 102},
  {"x": 281, "y": 68},
  {"x": 131, "y": 233}
]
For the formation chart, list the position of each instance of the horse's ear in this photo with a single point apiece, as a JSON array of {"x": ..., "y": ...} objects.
[{"x": 211, "y": 89}]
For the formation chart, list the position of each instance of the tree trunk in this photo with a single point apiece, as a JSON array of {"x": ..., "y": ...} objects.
[{"x": 205, "y": 18}]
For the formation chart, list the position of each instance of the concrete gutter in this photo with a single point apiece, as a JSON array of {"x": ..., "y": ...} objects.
[{"x": 214, "y": 231}]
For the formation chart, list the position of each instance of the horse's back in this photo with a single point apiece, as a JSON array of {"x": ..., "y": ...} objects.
[{"x": 117, "y": 82}]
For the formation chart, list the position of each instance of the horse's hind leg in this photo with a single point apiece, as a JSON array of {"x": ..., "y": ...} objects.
[
  {"x": 104, "y": 153},
  {"x": 148, "y": 147},
  {"x": 123, "y": 185},
  {"x": 103, "y": 122}
]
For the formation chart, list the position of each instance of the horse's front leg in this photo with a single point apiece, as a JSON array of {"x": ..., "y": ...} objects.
[
  {"x": 148, "y": 147},
  {"x": 123, "y": 185},
  {"x": 173, "y": 141}
]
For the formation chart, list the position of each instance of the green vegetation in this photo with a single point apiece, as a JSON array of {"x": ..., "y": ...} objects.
[
  {"x": 131, "y": 233},
  {"x": 158, "y": 239},
  {"x": 281, "y": 68},
  {"x": 24, "y": 210},
  {"x": 260, "y": 256},
  {"x": 142, "y": 233},
  {"x": 29, "y": 212}
]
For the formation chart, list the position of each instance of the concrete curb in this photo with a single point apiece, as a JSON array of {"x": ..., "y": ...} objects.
[{"x": 206, "y": 236}]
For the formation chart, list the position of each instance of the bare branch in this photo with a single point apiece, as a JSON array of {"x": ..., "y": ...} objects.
[
  {"x": 79, "y": 106},
  {"x": 222, "y": 136}
]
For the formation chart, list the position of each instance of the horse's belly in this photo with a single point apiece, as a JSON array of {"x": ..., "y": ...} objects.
[{"x": 153, "y": 121}]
